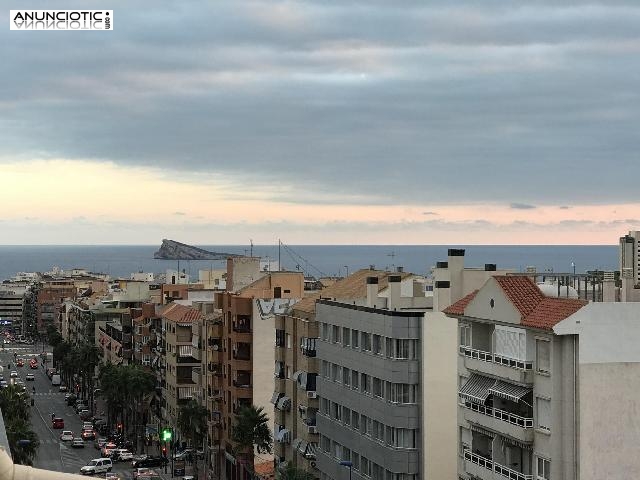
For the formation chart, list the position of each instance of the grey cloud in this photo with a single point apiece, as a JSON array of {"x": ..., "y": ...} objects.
[
  {"x": 179, "y": 214},
  {"x": 364, "y": 103},
  {"x": 564, "y": 207},
  {"x": 521, "y": 206},
  {"x": 429, "y": 213}
]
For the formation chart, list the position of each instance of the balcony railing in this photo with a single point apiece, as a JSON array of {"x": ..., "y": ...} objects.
[
  {"x": 503, "y": 415},
  {"x": 495, "y": 358},
  {"x": 489, "y": 464}
]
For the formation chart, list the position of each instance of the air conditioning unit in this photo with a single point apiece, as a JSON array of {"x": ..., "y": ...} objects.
[
  {"x": 313, "y": 464},
  {"x": 312, "y": 429},
  {"x": 312, "y": 394}
]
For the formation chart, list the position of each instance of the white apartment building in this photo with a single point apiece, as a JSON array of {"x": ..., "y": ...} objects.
[{"x": 518, "y": 381}]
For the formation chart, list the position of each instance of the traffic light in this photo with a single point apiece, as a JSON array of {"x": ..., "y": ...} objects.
[
  {"x": 119, "y": 427},
  {"x": 164, "y": 452},
  {"x": 167, "y": 434}
]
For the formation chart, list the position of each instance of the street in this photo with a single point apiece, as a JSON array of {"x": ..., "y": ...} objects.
[{"x": 53, "y": 454}]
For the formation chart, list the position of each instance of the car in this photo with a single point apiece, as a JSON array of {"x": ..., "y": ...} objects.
[
  {"x": 57, "y": 423},
  {"x": 77, "y": 443},
  {"x": 66, "y": 436},
  {"x": 33, "y": 366},
  {"x": 13, "y": 374},
  {"x": 63, "y": 388},
  {"x": 85, "y": 414},
  {"x": 70, "y": 398},
  {"x": 144, "y": 472},
  {"x": 80, "y": 405},
  {"x": 107, "y": 448},
  {"x": 88, "y": 434},
  {"x": 97, "y": 465},
  {"x": 112, "y": 476},
  {"x": 86, "y": 425},
  {"x": 20, "y": 363},
  {"x": 99, "y": 443},
  {"x": 150, "y": 462},
  {"x": 121, "y": 455},
  {"x": 30, "y": 377},
  {"x": 184, "y": 454}
]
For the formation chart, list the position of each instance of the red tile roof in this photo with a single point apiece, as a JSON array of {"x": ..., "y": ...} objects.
[
  {"x": 522, "y": 291},
  {"x": 551, "y": 311},
  {"x": 458, "y": 307},
  {"x": 181, "y": 314},
  {"x": 536, "y": 310}
]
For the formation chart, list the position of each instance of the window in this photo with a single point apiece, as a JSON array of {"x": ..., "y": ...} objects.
[
  {"x": 355, "y": 379},
  {"x": 288, "y": 339},
  {"x": 336, "y": 411},
  {"x": 324, "y": 406},
  {"x": 288, "y": 372},
  {"x": 465, "y": 335},
  {"x": 378, "y": 387},
  {"x": 355, "y": 420},
  {"x": 355, "y": 459},
  {"x": 346, "y": 415},
  {"x": 543, "y": 354},
  {"x": 325, "y": 332},
  {"x": 336, "y": 373},
  {"x": 543, "y": 412},
  {"x": 366, "y": 341},
  {"x": 355, "y": 338},
  {"x": 336, "y": 334},
  {"x": 326, "y": 369},
  {"x": 325, "y": 444},
  {"x": 403, "y": 393},
  {"x": 365, "y": 424},
  {"x": 366, "y": 383},
  {"x": 337, "y": 450},
  {"x": 544, "y": 469},
  {"x": 346, "y": 376},
  {"x": 378, "y": 431},
  {"x": 377, "y": 345},
  {"x": 365, "y": 466},
  {"x": 401, "y": 437},
  {"x": 346, "y": 336},
  {"x": 346, "y": 454}
]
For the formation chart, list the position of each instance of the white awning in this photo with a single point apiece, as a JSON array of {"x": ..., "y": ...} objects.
[
  {"x": 302, "y": 446},
  {"x": 302, "y": 380},
  {"x": 296, "y": 375},
  {"x": 185, "y": 351},
  {"x": 476, "y": 389},
  {"x": 284, "y": 403},
  {"x": 282, "y": 435},
  {"x": 275, "y": 397},
  {"x": 310, "y": 450},
  {"x": 509, "y": 391},
  {"x": 185, "y": 392},
  {"x": 483, "y": 431},
  {"x": 296, "y": 443}
]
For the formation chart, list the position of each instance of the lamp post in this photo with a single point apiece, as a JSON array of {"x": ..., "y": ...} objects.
[
  {"x": 347, "y": 463},
  {"x": 574, "y": 267}
]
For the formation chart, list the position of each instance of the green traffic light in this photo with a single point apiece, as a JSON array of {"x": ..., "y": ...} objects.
[{"x": 166, "y": 434}]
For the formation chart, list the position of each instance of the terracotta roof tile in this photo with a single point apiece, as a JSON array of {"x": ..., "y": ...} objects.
[
  {"x": 307, "y": 304},
  {"x": 458, "y": 307},
  {"x": 181, "y": 314},
  {"x": 355, "y": 285},
  {"x": 551, "y": 311},
  {"x": 522, "y": 291}
]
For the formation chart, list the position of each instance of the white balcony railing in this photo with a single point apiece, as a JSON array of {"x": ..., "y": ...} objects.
[
  {"x": 489, "y": 464},
  {"x": 494, "y": 358},
  {"x": 503, "y": 415}
]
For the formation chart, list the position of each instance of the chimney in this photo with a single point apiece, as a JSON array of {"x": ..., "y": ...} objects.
[
  {"x": 372, "y": 291},
  {"x": 394, "y": 291},
  {"x": 456, "y": 267},
  {"x": 441, "y": 295}
]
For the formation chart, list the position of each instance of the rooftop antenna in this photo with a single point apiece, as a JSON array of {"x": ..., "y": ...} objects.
[{"x": 251, "y": 242}]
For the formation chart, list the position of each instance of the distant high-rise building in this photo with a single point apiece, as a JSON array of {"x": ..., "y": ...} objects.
[{"x": 630, "y": 267}]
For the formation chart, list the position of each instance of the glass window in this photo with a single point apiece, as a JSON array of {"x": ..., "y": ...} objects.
[
  {"x": 336, "y": 334},
  {"x": 543, "y": 356},
  {"x": 365, "y": 381},
  {"x": 365, "y": 466},
  {"x": 324, "y": 406},
  {"x": 543, "y": 414},
  {"x": 378, "y": 387},
  {"x": 336, "y": 374},
  {"x": 336, "y": 411},
  {"x": 465, "y": 335},
  {"x": 355, "y": 420},
  {"x": 346, "y": 415},
  {"x": 346, "y": 336},
  {"x": 377, "y": 345},
  {"x": 355, "y": 459},
  {"x": 355, "y": 338},
  {"x": 325, "y": 332},
  {"x": 288, "y": 339},
  {"x": 355, "y": 379},
  {"x": 346, "y": 376},
  {"x": 544, "y": 469},
  {"x": 326, "y": 369},
  {"x": 366, "y": 341}
]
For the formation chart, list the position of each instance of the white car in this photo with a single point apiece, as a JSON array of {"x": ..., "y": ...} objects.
[
  {"x": 30, "y": 377},
  {"x": 13, "y": 374},
  {"x": 97, "y": 465},
  {"x": 67, "y": 436}
]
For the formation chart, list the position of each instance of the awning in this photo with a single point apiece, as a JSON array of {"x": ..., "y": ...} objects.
[
  {"x": 516, "y": 443},
  {"x": 284, "y": 403},
  {"x": 302, "y": 446},
  {"x": 509, "y": 391},
  {"x": 275, "y": 397},
  {"x": 296, "y": 375},
  {"x": 282, "y": 436},
  {"x": 185, "y": 351},
  {"x": 296, "y": 443},
  {"x": 310, "y": 450},
  {"x": 302, "y": 380},
  {"x": 479, "y": 429},
  {"x": 476, "y": 389}
]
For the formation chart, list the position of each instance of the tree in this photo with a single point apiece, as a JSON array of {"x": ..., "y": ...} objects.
[
  {"x": 293, "y": 473},
  {"x": 192, "y": 422},
  {"x": 251, "y": 430},
  {"x": 23, "y": 441}
]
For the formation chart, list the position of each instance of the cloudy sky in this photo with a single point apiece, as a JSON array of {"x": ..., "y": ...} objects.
[{"x": 373, "y": 122}]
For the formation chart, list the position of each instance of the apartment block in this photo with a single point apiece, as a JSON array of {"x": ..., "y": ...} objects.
[
  {"x": 517, "y": 401},
  {"x": 629, "y": 255},
  {"x": 11, "y": 309},
  {"x": 177, "y": 380}
]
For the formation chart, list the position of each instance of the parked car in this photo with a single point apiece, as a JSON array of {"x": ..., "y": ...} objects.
[
  {"x": 145, "y": 473},
  {"x": 57, "y": 423},
  {"x": 97, "y": 465},
  {"x": 30, "y": 377},
  {"x": 13, "y": 374},
  {"x": 67, "y": 436},
  {"x": 77, "y": 443},
  {"x": 62, "y": 388},
  {"x": 150, "y": 462},
  {"x": 85, "y": 414},
  {"x": 80, "y": 405},
  {"x": 107, "y": 448},
  {"x": 121, "y": 455},
  {"x": 70, "y": 398},
  {"x": 99, "y": 443}
]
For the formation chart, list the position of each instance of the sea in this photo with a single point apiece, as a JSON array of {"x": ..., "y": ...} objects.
[{"x": 313, "y": 260}]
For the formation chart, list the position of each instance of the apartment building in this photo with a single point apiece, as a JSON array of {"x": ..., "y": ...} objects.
[
  {"x": 50, "y": 297},
  {"x": 629, "y": 256},
  {"x": 249, "y": 305},
  {"x": 113, "y": 333},
  {"x": 11, "y": 308},
  {"x": 517, "y": 402},
  {"x": 177, "y": 380}
]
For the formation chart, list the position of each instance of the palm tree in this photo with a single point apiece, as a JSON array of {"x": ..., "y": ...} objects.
[
  {"x": 293, "y": 473},
  {"x": 140, "y": 384},
  {"x": 251, "y": 431},
  {"x": 23, "y": 441},
  {"x": 192, "y": 422}
]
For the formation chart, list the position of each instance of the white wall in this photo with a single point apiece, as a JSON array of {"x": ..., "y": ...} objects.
[{"x": 439, "y": 397}]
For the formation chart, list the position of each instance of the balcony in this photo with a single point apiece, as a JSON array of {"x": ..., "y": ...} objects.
[
  {"x": 497, "y": 365},
  {"x": 487, "y": 469},
  {"x": 506, "y": 423},
  {"x": 242, "y": 324}
]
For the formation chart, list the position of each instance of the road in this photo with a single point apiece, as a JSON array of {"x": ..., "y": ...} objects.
[{"x": 53, "y": 454}]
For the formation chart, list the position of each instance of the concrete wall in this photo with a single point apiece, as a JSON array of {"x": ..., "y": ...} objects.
[
  {"x": 242, "y": 271},
  {"x": 502, "y": 310},
  {"x": 439, "y": 397}
]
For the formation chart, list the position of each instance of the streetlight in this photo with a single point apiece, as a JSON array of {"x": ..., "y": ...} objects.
[
  {"x": 347, "y": 463},
  {"x": 574, "y": 267}
]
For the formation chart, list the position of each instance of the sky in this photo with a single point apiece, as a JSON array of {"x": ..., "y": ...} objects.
[{"x": 323, "y": 122}]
